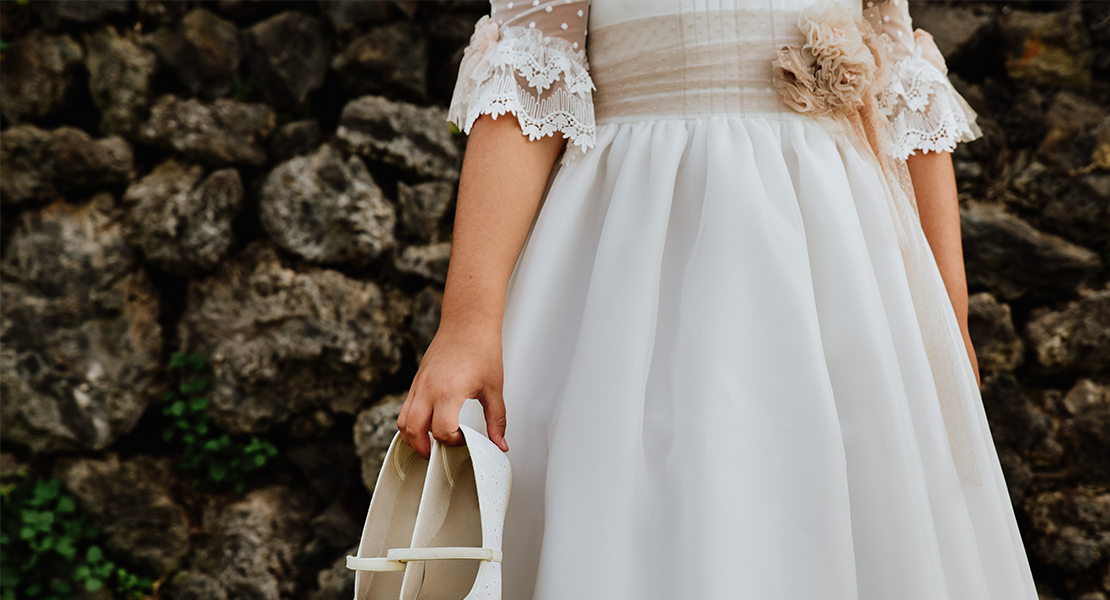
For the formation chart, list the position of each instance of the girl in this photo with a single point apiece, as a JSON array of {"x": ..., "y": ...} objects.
[{"x": 725, "y": 337}]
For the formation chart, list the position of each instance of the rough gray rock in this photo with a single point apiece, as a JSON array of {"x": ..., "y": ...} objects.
[
  {"x": 392, "y": 58},
  {"x": 1012, "y": 259},
  {"x": 119, "y": 79},
  {"x": 281, "y": 341},
  {"x": 130, "y": 503},
  {"x": 162, "y": 12},
  {"x": 429, "y": 262},
  {"x": 1089, "y": 429},
  {"x": 290, "y": 55},
  {"x": 1075, "y": 338},
  {"x": 220, "y": 133},
  {"x": 39, "y": 70},
  {"x": 80, "y": 11},
  {"x": 1052, "y": 49},
  {"x": 337, "y": 582},
  {"x": 1086, "y": 394},
  {"x": 1075, "y": 208},
  {"x": 403, "y": 135},
  {"x": 1069, "y": 525},
  {"x": 997, "y": 345},
  {"x": 254, "y": 542},
  {"x": 423, "y": 207},
  {"x": 194, "y": 585},
  {"x": 326, "y": 465},
  {"x": 1016, "y": 424},
  {"x": 956, "y": 30},
  {"x": 203, "y": 49},
  {"x": 336, "y": 528},
  {"x": 346, "y": 15},
  {"x": 80, "y": 344},
  {"x": 1069, "y": 117},
  {"x": 42, "y": 165},
  {"x": 314, "y": 424},
  {"x": 427, "y": 308},
  {"x": 182, "y": 219},
  {"x": 374, "y": 431},
  {"x": 326, "y": 210},
  {"x": 295, "y": 138}
]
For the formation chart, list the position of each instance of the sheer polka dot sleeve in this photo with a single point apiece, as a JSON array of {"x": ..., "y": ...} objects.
[
  {"x": 925, "y": 111},
  {"x": 528, "y": 58}
]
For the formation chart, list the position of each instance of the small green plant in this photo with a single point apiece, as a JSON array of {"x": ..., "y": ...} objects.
[
  {"x": 210, "y": 456},
  {"x": 48, "y": 549}
]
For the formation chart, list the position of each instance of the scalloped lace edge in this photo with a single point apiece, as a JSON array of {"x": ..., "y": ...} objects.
[
  {"x": 925, "y": 111},
  {"x": 541, "y": 80}
]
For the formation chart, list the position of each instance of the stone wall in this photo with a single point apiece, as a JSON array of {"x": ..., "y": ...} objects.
[{"x": 271, "y": 184}]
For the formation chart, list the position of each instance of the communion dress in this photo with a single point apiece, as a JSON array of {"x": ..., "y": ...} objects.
[{"x": 731, "y": 369}]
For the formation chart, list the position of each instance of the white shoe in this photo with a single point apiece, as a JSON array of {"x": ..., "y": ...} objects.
[
  {"x": 389, "y": 523},
  {"x": 456, "y": 546}
]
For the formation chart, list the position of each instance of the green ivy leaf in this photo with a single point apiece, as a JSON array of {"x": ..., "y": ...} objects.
[
  {"x": 65, "y": 505},
  {"x": 217, "y": 470},
  {"x": 195, "y": 361},
  {"x": 94, "y": 554},
  {"x": 93, "y": 584}
]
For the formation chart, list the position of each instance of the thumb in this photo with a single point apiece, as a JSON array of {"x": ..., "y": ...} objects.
[{"x": 493, "y": 406}]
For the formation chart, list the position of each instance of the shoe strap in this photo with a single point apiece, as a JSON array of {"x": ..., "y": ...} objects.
[
  {"x": 358, "y": 563},
  {"x": 417, "y": 554}
]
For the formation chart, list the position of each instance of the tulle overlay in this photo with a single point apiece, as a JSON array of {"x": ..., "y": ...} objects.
[{"x": 717, "y": 385}]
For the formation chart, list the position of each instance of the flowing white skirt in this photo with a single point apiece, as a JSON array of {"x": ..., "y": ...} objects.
[{"x": 717, "y": 388}]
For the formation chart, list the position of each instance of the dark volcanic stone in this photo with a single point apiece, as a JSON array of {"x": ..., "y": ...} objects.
[
  {"x": 182, "y": 219},
  {"x": 295, "y": 139},
  {"x": 374, "y": 431},
  {"x": 131, "y": 504},
  {"x": 254, "y": 543},
  {"x": 1050, "y": 48},
  {"x": 203, "y": 50},
  {"x": 1076, "y": 338},
  {"x": 290, "y": 56},
  {"x": 39, "y": 70},
  {"x": 429, "y": 262},
  {"x": 1012, "y": 259},
  {"x": 282, "y": 341},
  {"x": 220, "y": 133},
  {"x": 423, "y": 207},
  {"x": 393, "y": 58},
  {"x": 326, "y": 209},
  {"x": 997, "y": 345},
  {"x": 406, "y": 136},
  {"x": 346, "y": 15},
  {"x": 40, "y": 165},
  {"x": 80, "y": 11},
  {"x": 119, "y": 79},
  {"x": 80, "y": 344}
]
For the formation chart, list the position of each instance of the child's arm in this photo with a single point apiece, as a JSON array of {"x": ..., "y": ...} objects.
[
  {"x": 934, "y": 185},
  {"x": 503, "y": 178}
]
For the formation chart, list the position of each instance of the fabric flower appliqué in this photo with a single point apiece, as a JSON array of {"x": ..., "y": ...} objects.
[
  {"x": 833, "y": 70},
  {"x": 477, "y": 61}
]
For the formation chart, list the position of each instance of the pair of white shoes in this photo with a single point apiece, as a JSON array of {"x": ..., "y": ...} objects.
[{"x": 433, "y": 530}]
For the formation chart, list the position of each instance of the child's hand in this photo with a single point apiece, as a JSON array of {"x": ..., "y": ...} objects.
[{"x": 461, "y": 363}]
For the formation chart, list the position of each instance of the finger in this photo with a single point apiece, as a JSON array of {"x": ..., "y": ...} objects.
[
  {"x": 445, "y": 423},
  {"x": 402, "y": 417},
  {"x": 417, "y": 422},
  {"x": 493, "y": 406}
]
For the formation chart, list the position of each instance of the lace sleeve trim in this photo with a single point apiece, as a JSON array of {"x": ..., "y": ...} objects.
[
  {"x": 925, "y": 111},
  {"x": 544, "y": 81}
]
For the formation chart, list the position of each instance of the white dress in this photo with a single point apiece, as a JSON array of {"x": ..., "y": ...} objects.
[{"x": 728, "y": 374}]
